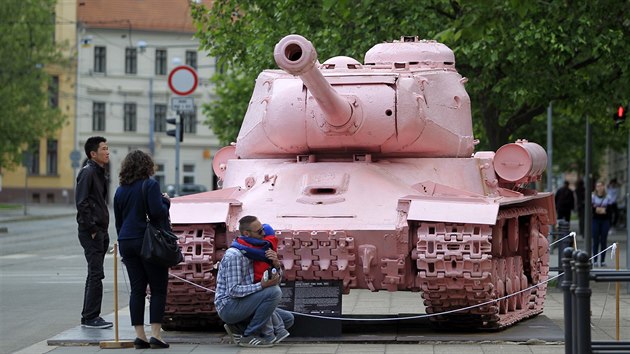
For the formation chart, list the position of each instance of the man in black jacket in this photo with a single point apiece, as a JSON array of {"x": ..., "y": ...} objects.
[{"x": 93, "y": 219}]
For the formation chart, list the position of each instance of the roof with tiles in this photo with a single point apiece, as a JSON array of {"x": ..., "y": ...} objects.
[{"x": 150, "y": 15}]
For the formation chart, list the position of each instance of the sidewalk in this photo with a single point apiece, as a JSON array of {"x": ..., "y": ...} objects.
[
  {"x": 36, "y": 212},
  {"x": 542, "y": 334}
]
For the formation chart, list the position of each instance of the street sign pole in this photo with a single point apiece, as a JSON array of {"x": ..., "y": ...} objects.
[
  {"x": 178, "y": 133},
  {"x": 182, "y": 81}
]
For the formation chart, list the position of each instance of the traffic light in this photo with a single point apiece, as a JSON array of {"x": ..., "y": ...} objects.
[
  {"x": 620, "y": 115},
  {"x": 173, "y": 132}
]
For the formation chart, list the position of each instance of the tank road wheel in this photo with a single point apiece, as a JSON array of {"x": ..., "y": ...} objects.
[
  {"x": 521, "y": 302},
  {"x": 511, "y": 285},
  {"x": 512, "y": 236},
  {"x": 538, "y": 264},
  {"x": 499, "y": 265}
]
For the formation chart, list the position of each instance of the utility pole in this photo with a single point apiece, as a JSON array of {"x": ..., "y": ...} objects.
[
  {"x": 151, "y": 119},
  {"x": 627, "y": 198},
  {"x": 549, "y": 149},
  {"x": 588, "y": 212}
]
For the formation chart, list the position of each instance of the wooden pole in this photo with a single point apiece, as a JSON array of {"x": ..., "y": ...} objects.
[
  {"x": 116, "y": 344},
  {"x": 617, "y": 290}
]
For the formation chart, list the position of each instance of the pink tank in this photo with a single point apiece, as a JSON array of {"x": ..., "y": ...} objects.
[{"x": 368, "y": 174}]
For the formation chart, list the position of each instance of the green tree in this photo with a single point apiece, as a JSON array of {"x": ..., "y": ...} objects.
[
  {"x": 519, "y": 56},
  {"x": 27, "y": 29}
]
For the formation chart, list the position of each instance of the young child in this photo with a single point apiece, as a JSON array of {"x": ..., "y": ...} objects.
[{"x": 275, "y": 327}]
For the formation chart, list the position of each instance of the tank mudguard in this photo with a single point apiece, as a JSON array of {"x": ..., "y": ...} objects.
[
  {"x": 460, "y": 210},
  {"x": 205, "y": 208}
]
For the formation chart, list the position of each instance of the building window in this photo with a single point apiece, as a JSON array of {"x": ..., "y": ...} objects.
[
  {"x": 51, "y": 157},
  {"x": 130, "y": 117},
  {"x": 159, "y": 175},
  {"x": 191, "y": 59},
  {"x": 53, "y": 92},
  {"x": 100, "y": 59},
  {"x": 131, "y": 61},
  {"x": 160, "y": 62},
  {"x": 33, "y": 157},
  {"x": 98, "y": 116},
  {"x": 189, "y": 173},
  {"x": 159, "y": 114},
  {"x": 190, "y": 122}
]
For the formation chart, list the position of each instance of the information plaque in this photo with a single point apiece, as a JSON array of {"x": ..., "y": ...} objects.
[{"x": 317, "y": 298}]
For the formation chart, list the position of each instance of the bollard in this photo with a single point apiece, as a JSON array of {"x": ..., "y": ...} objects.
[
  {"x": 563, "y": 230},
  {"x": 583, "y": 302},
  {"x": 566, "y": 243},
  {"x": 573, "y": 302},
  {"x": 566, "y": 289}
]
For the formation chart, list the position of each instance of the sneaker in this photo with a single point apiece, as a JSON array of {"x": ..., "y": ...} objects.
[
  {"x": 233, "y": 332},
  {"x": 603, "y": 264},
  {"x": 96, "y": 323},
  {"x": 281, "y": 335},
  {"x": 254, "y": 342}
]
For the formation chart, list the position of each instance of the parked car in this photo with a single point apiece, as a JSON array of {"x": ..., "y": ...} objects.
[{"x": 185, "y": 189}]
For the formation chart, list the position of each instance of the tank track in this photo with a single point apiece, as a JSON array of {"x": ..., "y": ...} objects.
[
  {"x": 462, "y": 265},
  {"x": 188, "y": 306}
]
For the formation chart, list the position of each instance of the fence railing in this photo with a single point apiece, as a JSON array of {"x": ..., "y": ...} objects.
[{"x": 577, "y": 304}]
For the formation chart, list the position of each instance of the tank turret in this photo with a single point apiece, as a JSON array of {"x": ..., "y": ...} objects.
[{"x": 407, "y": 100}]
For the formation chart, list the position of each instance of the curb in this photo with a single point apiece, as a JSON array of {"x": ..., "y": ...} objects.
[{"x": 35, "y": 217}]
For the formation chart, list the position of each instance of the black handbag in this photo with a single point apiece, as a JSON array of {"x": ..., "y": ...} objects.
[{"x": 159, "y": 245}]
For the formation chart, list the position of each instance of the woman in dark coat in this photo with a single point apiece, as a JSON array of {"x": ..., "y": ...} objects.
[{"x": 131, "y": 222}]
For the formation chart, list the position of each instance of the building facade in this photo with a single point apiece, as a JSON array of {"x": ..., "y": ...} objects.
[
  {"x": 49, "y": 179},
  {"x": 127, "y": 51},
  {"x": 124, "y": 53}
]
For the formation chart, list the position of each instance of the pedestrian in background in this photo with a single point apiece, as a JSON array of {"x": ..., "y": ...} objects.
[
  {"x": 565, "y": 202},
  {"x": 613, "y": 194},
  {"x": 601, "y": 222},
  {"x": 131, "y": 222},
  {"x": 93, "y": 221}
]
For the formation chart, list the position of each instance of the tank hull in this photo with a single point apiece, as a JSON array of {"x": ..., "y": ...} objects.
[{"x": 377, "y": 224}]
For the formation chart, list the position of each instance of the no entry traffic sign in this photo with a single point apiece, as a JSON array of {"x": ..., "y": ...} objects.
[{"x": 183, "y": 80}]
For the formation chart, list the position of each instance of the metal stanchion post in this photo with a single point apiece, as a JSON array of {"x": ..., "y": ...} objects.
[
  {"x": 563, "y": 230},
  {"x": 574, "y": 335},
  {"x": 566, "y": 289},
  {"x": 583, "y": 299}
]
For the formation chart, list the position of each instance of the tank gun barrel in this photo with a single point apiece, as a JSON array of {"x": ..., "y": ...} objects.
[{"x": 297, "y": 56}]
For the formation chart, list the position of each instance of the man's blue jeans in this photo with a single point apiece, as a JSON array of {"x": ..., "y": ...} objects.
[
  {"x": 280, "y": 319},
  {"x": 252, "y": 311}
]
